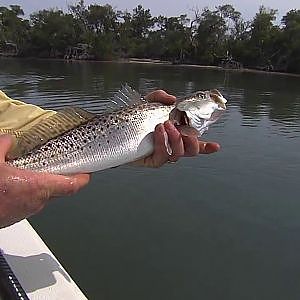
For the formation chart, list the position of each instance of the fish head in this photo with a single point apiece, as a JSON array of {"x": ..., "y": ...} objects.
[{"x": 199, "y": 110}]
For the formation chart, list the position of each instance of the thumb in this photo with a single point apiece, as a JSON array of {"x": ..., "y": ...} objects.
[
  {"x": 59, "y": 185},
  {"x": 6, "y": 141},
  {"x": 161, "y": 96}
]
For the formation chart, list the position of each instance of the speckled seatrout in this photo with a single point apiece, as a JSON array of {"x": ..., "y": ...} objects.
[{"x": 76, "y": 141}]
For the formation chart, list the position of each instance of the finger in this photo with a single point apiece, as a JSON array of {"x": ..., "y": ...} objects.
[
  {"x": 161, "y": 96},
  {"x": 81, "y": 180},
  {"x": 208, "y": 147},
  {"x": 191, "y": 145},
  {"x": 160, "y": 154},
  {"x": 175, "y": 141},
  {"x": 6, "y": 142},
  {"x": 186, "y": 130},
  {"x": 58, "y": 185}
]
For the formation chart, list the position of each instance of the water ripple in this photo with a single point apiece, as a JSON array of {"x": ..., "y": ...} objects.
[{"x": 257, "y": 108}]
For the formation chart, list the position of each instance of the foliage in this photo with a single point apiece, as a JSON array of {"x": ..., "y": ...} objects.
[
  {"x": 208, "y": 38},
  {"x": 13, "y": 28},
  {"x": 291, "y": 40},
  {"x": 51, "y": 32}
]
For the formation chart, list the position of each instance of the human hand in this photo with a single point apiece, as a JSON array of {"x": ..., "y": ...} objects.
[
  {"x": 167, "y": 133},
  {"x": 24, "y": 193}
]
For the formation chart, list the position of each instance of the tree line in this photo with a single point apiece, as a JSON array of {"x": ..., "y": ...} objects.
[{"x": 209, "y": 38}]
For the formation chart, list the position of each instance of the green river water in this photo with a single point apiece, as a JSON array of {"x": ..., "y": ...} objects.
[{"x": 223, "y": 226}]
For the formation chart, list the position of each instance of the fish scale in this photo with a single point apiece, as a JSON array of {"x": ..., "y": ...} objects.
[
  {"x": 113, "y": 138},
  {"x": 104, "y": 142}
]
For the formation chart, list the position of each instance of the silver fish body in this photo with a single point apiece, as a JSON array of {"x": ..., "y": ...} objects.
[
  {"x": 116, "y": 138},
  {"x": 104, "y": 142}
]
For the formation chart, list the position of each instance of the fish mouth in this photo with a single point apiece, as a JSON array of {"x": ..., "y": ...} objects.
[
  {"x": 179, "y": 118},
  {"x": 217, "y": 97},
  {"x": 182, "y": 123}
]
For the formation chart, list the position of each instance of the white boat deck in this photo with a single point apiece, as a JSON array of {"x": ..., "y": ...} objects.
[{"x": 38, "y": 271}]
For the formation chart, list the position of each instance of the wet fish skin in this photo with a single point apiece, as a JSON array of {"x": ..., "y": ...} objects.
[
  {"x": 119, "y": 137},
  {"x": 104, "y": 142}
]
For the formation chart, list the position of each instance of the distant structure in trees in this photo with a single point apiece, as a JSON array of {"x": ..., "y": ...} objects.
[
  {"x": 8, "y": 49},
  {"x": 229, "y": 63},
  {"x": 78, "y": 52}
]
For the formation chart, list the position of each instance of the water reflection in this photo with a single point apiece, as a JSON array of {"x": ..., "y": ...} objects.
[
  {"x": 83, "y": 84},
  {"x": 224, "y": 226},
  {"x": 274, "y": 97}
]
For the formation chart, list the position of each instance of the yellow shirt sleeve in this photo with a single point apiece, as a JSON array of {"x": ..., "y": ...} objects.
[{"x": 19, "y": 116}]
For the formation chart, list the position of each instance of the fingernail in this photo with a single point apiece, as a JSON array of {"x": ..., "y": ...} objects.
[{"x": 167, "y": 145}]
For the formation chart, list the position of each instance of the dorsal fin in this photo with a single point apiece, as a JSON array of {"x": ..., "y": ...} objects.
[
  {"x": 49, "y": 128},
  {"x": 126, "y": 96}
]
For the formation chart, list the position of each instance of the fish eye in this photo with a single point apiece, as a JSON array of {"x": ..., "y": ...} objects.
[{"x": 199, "y": 94}]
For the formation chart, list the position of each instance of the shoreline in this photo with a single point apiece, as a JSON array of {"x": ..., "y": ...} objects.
[
  {"x": 153, "y": 62},
  {"x": 166, "y": 63}
]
